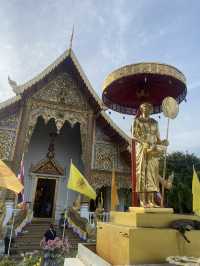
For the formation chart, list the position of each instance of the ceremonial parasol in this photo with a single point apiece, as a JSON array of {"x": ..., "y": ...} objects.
[{"x": 126, "y": 88}]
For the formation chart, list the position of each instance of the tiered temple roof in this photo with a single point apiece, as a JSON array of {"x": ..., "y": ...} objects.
[{"x": 69, "y": 61}]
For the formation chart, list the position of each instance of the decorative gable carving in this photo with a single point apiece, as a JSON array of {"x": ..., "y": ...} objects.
[
  {"x": 107, "y": 153},
  {"x": 101, "y": 136},
  {"x": 8, "y": 134},
  {"x": 48, "y": 167},
  {"x": 105, "y": 156},
  {"x": 63, "y": 90},
  {"x": 7, "y": 143},
  {"x": 10, "y": 122}
]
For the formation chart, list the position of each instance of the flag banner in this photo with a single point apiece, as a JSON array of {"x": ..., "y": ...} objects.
[
  {"x": 114, "y": 194},
  {"x": 20, "y": 197},
  {"x": 78, "y": 182},
  {"x": 8, "y": 179},
  {"x": 196, "y": 192}
]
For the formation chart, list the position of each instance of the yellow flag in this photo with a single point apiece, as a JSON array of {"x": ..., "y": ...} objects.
[
  {"x": 196, "y": 193},
  {"x": 8, "y": 179},
  {"x": 78, "y": 183},
  {"x": 114, "y": 194}
]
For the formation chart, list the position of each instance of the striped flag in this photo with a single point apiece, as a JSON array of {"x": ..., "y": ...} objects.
[{"x": 20, "y": 198}]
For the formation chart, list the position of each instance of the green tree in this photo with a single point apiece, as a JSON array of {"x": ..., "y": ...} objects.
[{"x": 181, "y": 164}]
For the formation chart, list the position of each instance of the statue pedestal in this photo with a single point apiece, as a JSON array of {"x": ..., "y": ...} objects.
[
  {"x": 150, "y": 210},
  {"x": 143, "y": 236}
]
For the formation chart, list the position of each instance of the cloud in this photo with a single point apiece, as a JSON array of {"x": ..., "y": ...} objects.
[
  {"x": 108, "y": 35},
  {"x": 194, "y": 85}
]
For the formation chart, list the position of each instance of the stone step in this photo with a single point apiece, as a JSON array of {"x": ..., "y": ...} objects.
[
  {"x": 38, "y": 239},
  {"x": 39, "y": 226},
  {"x": 20, "y": 249},
  {"x": 20, "y": 244},
  {"x": 38, "y": 234},
  {"x": 43, "y": 220},
  {"x": 29, "y": 239}
]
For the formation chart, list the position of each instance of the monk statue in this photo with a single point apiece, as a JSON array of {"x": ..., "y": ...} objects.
[{"x": 149, "y": 149}]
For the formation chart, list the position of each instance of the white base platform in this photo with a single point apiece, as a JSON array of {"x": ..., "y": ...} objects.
[
  {"x": 86, "y": 257},
  {"x": 73, "y": 262}
]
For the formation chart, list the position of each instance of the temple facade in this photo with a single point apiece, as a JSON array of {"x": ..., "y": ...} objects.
[{"x": 54, "y": 118}]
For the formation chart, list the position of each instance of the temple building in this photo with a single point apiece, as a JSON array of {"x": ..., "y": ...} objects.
[{"x": 54, "y": 118}]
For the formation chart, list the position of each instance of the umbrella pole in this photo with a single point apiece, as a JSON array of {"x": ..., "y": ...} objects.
[
  {"x": 13, "y": 222},
  {"x": 164, "y": 167}
]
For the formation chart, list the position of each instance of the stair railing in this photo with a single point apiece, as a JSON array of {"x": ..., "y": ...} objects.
[{"x": 104, "y": 217}]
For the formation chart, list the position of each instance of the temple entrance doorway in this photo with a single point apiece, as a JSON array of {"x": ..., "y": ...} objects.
[
  {"x": 44, "y": 198},
  {"x": 49, "y": 154}
]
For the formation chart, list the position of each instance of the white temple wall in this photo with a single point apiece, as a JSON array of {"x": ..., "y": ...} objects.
[
  {"x": 9, "y": 210},
  {"x": 67, "y": 147}
]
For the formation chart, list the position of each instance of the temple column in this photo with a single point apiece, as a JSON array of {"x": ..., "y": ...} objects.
[
  {"x": 24, "y": 134},
  {"x": 87, "y": 140},
  {"x": 86, "y": 131}
]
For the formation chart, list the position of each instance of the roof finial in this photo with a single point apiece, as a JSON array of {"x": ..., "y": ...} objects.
[
  {"x": 71, "y": 39},
  {"x": 13, "y": 84}
]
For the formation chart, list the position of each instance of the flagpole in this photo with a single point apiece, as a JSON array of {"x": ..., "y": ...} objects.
[
  {"x": 64, "y": 225},
  {"x": 13, "y": 222}
]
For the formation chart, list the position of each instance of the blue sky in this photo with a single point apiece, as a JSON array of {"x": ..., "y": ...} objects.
[{"x": 108, "y": 35}]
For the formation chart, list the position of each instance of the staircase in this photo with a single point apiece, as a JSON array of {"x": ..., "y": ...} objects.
[{"x": 29, "y": 239}]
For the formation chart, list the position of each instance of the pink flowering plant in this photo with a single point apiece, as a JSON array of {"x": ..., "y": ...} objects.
[
  {"x": 55, "y": 251},
  {"x": 57, "y": 245}
]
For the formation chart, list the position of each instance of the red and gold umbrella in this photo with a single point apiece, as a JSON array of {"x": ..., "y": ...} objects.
[{"x": 127, "y": 87}]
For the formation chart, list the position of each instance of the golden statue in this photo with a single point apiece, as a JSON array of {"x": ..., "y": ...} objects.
[{"x": 149, "y": 149}]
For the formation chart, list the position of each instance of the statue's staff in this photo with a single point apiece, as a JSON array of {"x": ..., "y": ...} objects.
[{"x": 170, "y": 110}]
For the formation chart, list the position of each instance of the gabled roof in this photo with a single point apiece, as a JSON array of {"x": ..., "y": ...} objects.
[
  {"x": 68, "y": 53},
  {"x": 10, "y": 101},
  {"x": 21, "y": 90},
  {"x": 48, "y": 166},
  {"x": 115, "y": 127},
  {"x": 9, "y": 106}
]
